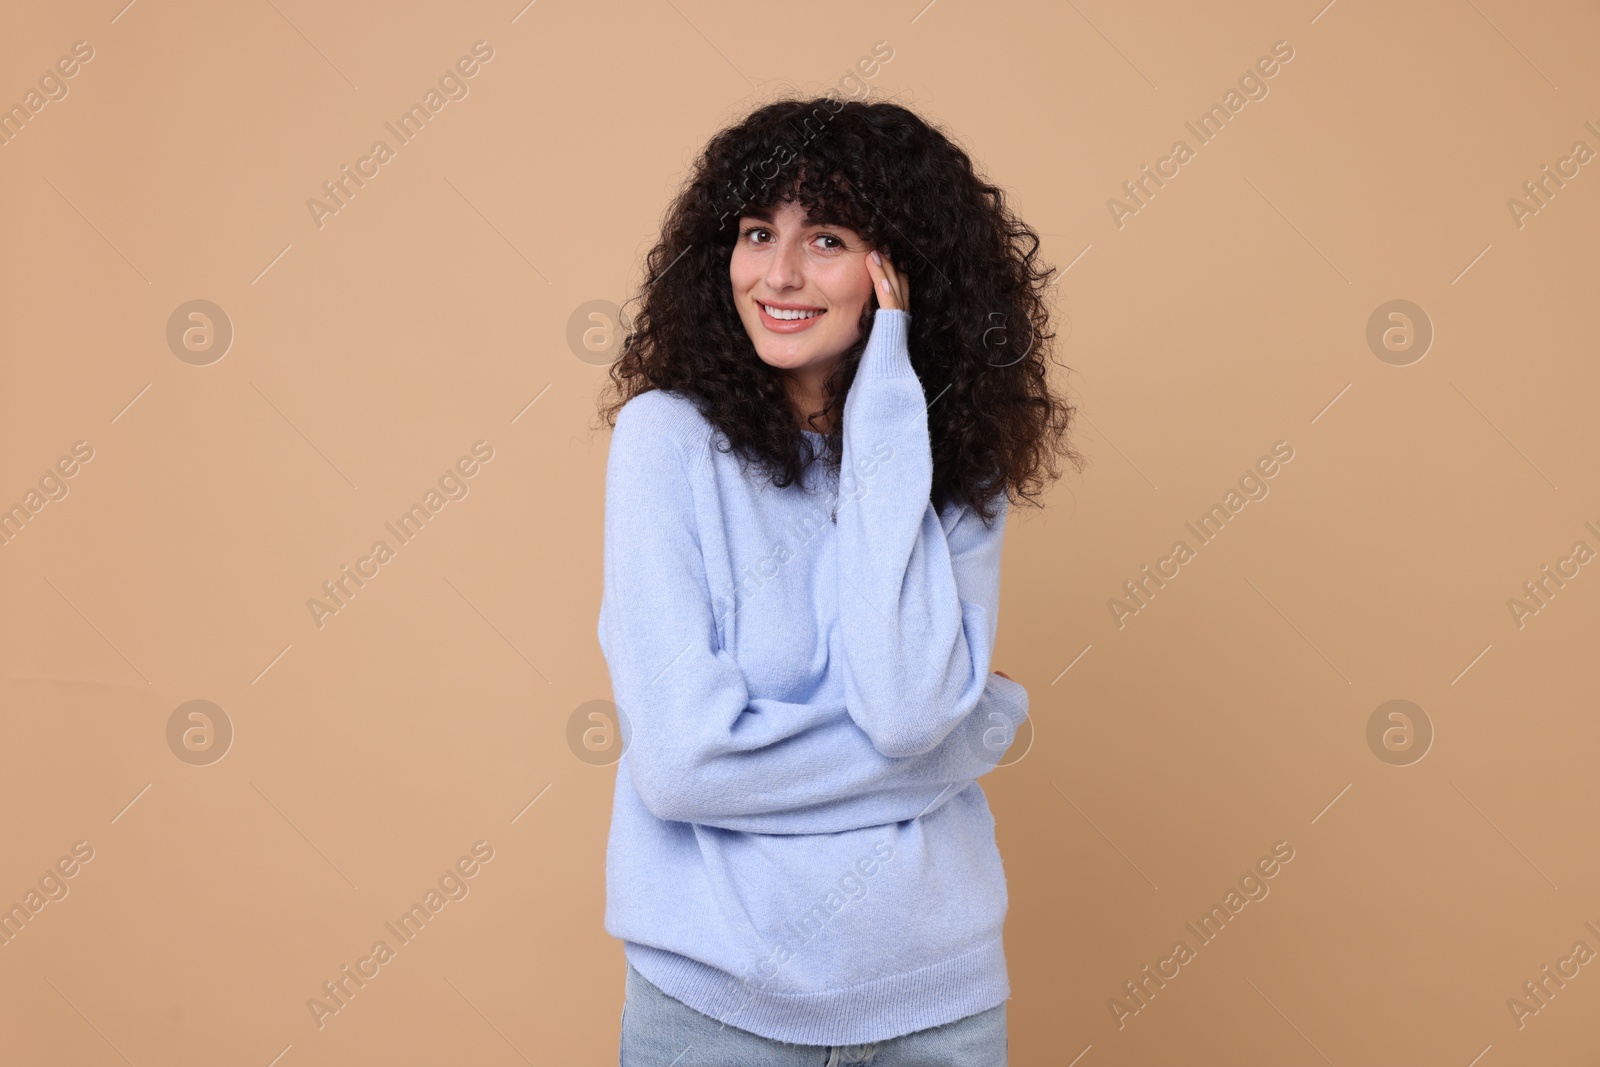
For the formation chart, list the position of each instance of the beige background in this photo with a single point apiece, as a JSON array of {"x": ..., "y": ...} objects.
[{"x": 432, "y": 310}]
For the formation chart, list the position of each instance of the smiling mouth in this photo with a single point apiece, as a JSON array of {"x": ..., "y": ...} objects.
[
  {"x": 789, "y": 314},
  {"x": 789, "y": 320}
]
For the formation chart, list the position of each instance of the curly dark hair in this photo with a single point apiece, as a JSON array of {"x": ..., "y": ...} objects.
[{"x": 977, "y": 296}]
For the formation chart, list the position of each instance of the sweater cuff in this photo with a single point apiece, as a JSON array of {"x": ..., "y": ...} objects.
[{"x": 886, "y": 354}]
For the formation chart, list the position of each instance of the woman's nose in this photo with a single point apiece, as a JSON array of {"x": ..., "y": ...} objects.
[{"x": 786, "y": 267}]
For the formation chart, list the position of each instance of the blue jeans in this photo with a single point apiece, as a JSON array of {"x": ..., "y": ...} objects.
[{"x": 661, "y": 1031}]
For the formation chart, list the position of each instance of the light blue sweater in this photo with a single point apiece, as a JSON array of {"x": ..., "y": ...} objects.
[{"x": 799, "y": 846}]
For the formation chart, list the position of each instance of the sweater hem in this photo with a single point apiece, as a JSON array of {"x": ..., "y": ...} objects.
[{"x": 876, "y": 1010}]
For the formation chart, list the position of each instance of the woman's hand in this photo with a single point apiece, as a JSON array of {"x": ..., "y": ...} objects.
[{"x": 888, "y": 285}]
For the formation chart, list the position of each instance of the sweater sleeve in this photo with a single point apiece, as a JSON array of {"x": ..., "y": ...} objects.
[
  {"x": 698, "y": 748},
  {"x": 919, "y": 604}
]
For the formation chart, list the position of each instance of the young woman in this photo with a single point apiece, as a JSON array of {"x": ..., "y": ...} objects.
[{"x": 835, "y": 381}]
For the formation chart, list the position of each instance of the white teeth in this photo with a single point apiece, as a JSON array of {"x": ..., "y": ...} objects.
[{"x": 779, "y": 313}]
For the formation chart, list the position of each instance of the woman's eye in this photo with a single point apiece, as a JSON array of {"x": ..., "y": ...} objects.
[{"x": 760, "y": 234}]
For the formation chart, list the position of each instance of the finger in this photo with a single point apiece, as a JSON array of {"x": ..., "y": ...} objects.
[
  {"x": 887, "y": 283},
  {"x": 883, "y": 287},
  {"x": 887, "y": 268},
  {"x": 901, "y": 284},
  {"x": 876, "y": 271},
  {"x": 887, "y": 297}
]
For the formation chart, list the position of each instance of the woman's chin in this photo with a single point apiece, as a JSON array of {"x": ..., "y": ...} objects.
[{"x": 785, "y": 360}]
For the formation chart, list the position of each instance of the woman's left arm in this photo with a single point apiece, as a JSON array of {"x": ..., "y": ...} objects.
[{"x": 918, "y": 604}]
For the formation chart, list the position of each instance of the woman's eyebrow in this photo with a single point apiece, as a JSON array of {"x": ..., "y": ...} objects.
[{"x": 762, "y": 214}]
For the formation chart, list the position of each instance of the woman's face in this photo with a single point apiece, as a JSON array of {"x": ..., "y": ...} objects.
[{"x": 784, "y": 263}]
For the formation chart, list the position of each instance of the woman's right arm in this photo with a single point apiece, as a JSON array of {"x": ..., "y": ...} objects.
[{"x": 699, "y": 748}]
